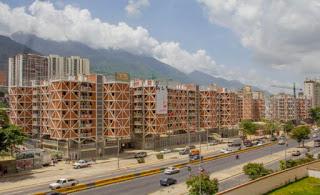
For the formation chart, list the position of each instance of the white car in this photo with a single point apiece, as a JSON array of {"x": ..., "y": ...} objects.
[
  {"x": 226, "y": 150},
  {"x": 81, "y": 164},
  {"x": 171, "y": 170},
  {"x": 315, "y": 135},
  {"x": 62, "y": 183},
  {"x": 165, "y": 151}
]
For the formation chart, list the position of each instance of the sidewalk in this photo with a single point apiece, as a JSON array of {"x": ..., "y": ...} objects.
[
  {"x": 181, "y": 189},
  {"x": 102, "y": 169}
]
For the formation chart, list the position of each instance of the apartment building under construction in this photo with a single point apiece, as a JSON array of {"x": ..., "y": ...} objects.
[{"x": 90, "y": 115}]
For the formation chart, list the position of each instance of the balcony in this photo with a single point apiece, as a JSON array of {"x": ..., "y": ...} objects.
[
  {"x": 137, "y": 123},
  {"x": 84, "y": 135},
  {"x": 138, "y": 107},
  {"x": 137, "y": 115},
  {"x": 136, "y": 100},
  {"x": 35, "y": 108},
  {"x": 137, "y": 92},
  {"x": 137, "y": 130},
  {"x": 35, "y": 92}
]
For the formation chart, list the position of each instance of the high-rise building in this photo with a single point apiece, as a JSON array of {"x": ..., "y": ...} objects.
[
  {"x": 259, "y": 105},
  {"x": 312, "y": 92},
  {"x": 304, "y": 105},
  {"x": 227, "y": 108},
  {"x": 245, "y": 103},
  {"x": 25, "y": 68},
  {"x": 62, "y": 67},
  {"x": 283, "y": 107}
]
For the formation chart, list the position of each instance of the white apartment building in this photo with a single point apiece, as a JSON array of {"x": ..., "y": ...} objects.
[
  {"x": 312, "y": 92},
  {"x": 27, "y": 68}
]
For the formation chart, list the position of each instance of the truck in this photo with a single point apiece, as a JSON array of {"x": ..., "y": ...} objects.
[
  {"x": 235, "y": 142},
  {"x": 81, "y": 164},
  {"x": 62, "y": 183},
  {"x": 194, "y": 152}
]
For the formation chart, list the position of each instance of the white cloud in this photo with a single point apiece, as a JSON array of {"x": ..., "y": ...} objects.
[
  {"x": 134, "y": 7},
  {"x": 75, "y": 24},
  {"x": 282, "y": 33}
]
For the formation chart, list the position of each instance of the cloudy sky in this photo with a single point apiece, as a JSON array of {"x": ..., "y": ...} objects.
[{"x": 259, "y": 42}]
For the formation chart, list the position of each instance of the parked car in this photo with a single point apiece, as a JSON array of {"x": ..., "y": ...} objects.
[
  {"x": 226, "y": 150},
  {"x": 81, "y": 164},
  {"x": 315, "y": 135},
  {"x": 171, "y": 170},
  {"x": 165, "y": 151},
  {"x": 62, "y": 183},
  {"x": 191, "y": 147},
  {"x": 273, "y": 138},
  {"x": 247, "y": 143},
  {"x": 213, "y": 142},
  {"x": 184, "y": 151},
  {"x": 167, "y": 181},
  {"x": 140, "y": 155},
  {"x": 296, "y": 153},
  {"x": 196, "y": 157},
  {"x": 260, "y": 142},
  {"x": 282, "y": 141}
]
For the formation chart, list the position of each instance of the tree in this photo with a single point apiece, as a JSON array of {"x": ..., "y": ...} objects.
[
  {"x": 315, "y": 114},
  {"x": 9, "y": 137},
  {"x": 300, "y": 133},
  {"x": 4, "y": 119},
  {"x": 203, "y": 182},
  {"x": 270, "y": 127},
  {"x": 255, "y": 170},
  {"x": 288, "y": 126},
  {"x": 248, "y": 127}
]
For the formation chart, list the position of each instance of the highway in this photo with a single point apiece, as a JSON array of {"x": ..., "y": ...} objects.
[{"x": 150, "y": 184}]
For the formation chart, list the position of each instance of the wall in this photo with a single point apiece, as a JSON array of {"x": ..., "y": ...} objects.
[
  {"x": 314, "y": 173},
  {"x": 272, "y": 181}
]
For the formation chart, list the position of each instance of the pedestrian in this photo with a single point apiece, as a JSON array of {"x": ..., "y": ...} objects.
[{"x": 5, "y": 171}]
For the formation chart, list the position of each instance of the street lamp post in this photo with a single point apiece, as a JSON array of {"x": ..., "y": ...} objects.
[
  {"x": 118, "y": 152},
  {"x": 200, "y": 168}
]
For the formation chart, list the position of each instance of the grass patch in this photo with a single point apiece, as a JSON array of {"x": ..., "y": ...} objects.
[{"x": 306, "y": 186}]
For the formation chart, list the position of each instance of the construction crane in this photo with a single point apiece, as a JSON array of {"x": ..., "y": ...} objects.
[
  {"x": 288, "y": 87},
  {"x": 294, "y": 94}
]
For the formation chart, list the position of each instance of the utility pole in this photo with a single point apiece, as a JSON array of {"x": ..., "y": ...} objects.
[{"x": 118, "y": 153}]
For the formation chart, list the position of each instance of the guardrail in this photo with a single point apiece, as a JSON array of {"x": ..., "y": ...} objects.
[{"x": 108, "y": 181}]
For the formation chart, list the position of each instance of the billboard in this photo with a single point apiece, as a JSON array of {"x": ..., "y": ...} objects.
[
  {"x": 161, "y": 99},
  {"x": 122, "y": 76}
]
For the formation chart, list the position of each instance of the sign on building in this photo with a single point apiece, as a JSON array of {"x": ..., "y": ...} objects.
[
  {"x": 161, "y": 100},
  {"x": 122, "y": 76}
]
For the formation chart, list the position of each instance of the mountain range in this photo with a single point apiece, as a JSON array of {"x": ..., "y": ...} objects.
[{"x": 106, "y": 61}]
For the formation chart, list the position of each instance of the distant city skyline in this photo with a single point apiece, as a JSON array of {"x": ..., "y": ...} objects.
[{"x": 249, "y": 41}]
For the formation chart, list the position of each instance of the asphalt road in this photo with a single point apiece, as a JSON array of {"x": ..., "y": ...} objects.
[
  {"x": 150, "y": 184},
  {"x": 44, "y": 187}
]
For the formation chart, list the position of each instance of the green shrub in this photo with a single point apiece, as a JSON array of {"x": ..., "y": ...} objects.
[
  {"x": 159, "y": 156},
  {"x": 256, "y": 170},
  {"x": 141, "y": 160}
]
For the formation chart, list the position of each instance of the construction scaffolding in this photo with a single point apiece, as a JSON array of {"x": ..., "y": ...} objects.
[
  {"x": 20, "y": 101},
  {"x": 227, "y": 112},
  {"x": 208, "y": 109},
  {"x": 116, "y": 109},
  {"x": 283, "y": 107}
]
